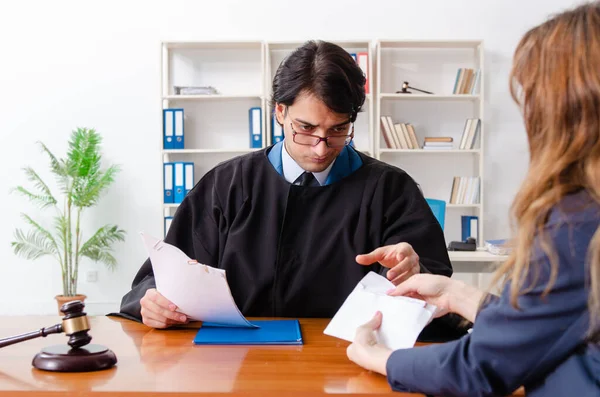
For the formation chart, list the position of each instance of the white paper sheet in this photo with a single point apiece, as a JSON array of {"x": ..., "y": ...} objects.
[
  {"x": 403, "y": 318},
  {"x": 201, "y": 292}
]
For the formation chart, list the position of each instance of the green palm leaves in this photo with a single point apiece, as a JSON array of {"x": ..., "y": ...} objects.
[{"x": 81, "y": 182}]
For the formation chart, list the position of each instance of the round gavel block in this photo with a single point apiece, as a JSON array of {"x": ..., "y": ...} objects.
[{"x": 62, "y": 358}]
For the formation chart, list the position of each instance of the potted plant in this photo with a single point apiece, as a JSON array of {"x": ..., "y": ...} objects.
[{"x": 81, "y": 183}]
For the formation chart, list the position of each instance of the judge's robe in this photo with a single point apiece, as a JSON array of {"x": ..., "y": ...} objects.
[{"x": 288, "y": 250}]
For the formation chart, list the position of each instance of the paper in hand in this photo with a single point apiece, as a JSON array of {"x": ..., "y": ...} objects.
[
  {"x": 403, "y": 318},
  {"x": 201, "y": 292}
]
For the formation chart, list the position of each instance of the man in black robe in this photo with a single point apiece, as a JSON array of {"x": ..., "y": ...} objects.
[{"x": 288, "y": 221}]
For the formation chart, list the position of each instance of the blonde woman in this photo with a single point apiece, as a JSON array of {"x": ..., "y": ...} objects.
[{"x": 543, "y": 331}]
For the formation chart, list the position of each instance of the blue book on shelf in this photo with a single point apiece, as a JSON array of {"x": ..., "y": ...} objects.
[
  {"x": 255, "y": 127},
  {"x": 469, "y": 227},
  {"x": 269, "y": 332}
]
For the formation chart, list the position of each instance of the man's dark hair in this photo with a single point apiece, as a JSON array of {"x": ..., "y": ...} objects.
[{"x": 324, "y": 70}]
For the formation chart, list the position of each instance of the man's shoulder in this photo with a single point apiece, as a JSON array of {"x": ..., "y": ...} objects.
[
  {"x": 379, "y": 168},
  {"x": 231, "y": 170},
  {"x": 254, "y": 156},
  {"x": 245, "y": 161}
]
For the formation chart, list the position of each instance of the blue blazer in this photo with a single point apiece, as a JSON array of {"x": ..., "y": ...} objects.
[{"x": 541, "y": 346}]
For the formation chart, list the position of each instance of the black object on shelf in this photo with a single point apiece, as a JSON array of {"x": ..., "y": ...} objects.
[
  {"x": 469, "y": 245},
  {"x": 406, "y": 87}
]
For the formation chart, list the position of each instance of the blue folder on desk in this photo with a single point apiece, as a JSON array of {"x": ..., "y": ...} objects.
[{"x": 270, "y": 332}]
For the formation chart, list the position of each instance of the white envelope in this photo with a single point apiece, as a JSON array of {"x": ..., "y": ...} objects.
[
  {"x": 403, "y": 318},
  {"x": 201, "y": 292}
]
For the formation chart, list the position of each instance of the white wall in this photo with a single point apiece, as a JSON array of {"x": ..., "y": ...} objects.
[{"x": 66, "y": 64}]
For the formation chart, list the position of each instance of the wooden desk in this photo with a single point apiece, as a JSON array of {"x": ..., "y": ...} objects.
[{"x": 166, "y": 363}]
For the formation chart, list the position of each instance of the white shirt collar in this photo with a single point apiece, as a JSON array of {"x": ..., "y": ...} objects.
[{"x": 291, "y": 169}]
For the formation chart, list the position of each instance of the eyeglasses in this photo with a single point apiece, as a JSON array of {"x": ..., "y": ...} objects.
[{"x": 332, "y": 141}]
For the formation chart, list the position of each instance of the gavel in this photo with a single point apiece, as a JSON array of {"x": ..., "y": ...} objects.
[
  {"x": 406, "y": 87},
  {"x": 79, "y": 355}
]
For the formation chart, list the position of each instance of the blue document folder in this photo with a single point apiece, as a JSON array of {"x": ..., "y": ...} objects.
[{"x": 269, "y": 332}]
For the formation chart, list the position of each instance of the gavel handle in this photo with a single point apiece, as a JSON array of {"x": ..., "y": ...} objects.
[
  {"x": 55, "y": 329},
  {"x": 423, "y": 91}
]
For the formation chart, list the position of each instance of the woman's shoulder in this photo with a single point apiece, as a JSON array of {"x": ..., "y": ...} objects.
[
  {"x": 575, "y": 208},
  {"x": 569, "y": 230}
]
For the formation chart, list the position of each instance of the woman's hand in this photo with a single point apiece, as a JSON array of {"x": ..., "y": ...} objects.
[
  {"x": 450, "y": 296},
  {"x": 365, "y": 351}
]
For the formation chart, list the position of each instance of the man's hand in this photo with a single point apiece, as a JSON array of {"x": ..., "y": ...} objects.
[
  {"x": 401, "y": 259},
  {"x": 365, "y": 351},
  {"x": 159, "y": 312}
]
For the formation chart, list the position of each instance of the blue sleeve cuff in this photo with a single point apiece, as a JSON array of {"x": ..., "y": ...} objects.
[{"x": 400, "y": 368}]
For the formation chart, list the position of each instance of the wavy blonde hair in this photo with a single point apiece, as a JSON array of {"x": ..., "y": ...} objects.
[{"x": 555, "y": 80}]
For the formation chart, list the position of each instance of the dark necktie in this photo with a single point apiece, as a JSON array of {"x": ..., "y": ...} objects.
[{"x": 307, "y": 179}]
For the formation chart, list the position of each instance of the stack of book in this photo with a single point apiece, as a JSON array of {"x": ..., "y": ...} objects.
[
  {"x": 398, "y": 136},
  {"x": 467, "y": 141},
  {"x": 467, "y": 81},
  {"x": 465, "y": 190},
  {"x": 438, "y": 143}
]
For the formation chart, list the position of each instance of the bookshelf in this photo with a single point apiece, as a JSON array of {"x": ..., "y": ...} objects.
[
  {"x": 216, "y": 125},
  {"x": 433, "y": 66}
]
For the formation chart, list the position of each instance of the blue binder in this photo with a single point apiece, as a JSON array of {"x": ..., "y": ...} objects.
[
  {"x": 173, "y": 129},
  {"x": 178, "y": 182},
  {"x": 276, "y": 131},
  {"x": 270, "y": 332},
  {"x": 168, "y": 130},
  {"x": 188, "y": 174},
  {"x": 179, "y": 142},
  {"x": 255, "y": 118},
  {"x": 469, "y": 227},
  {"x": 168, "y": 220},
  {"x": 169, "y": 193}
]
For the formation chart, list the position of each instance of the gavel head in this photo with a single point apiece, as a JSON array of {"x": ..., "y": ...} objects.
[
  {"x": 405, "y": 86},
  {"x": 75, "y": 324}
]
